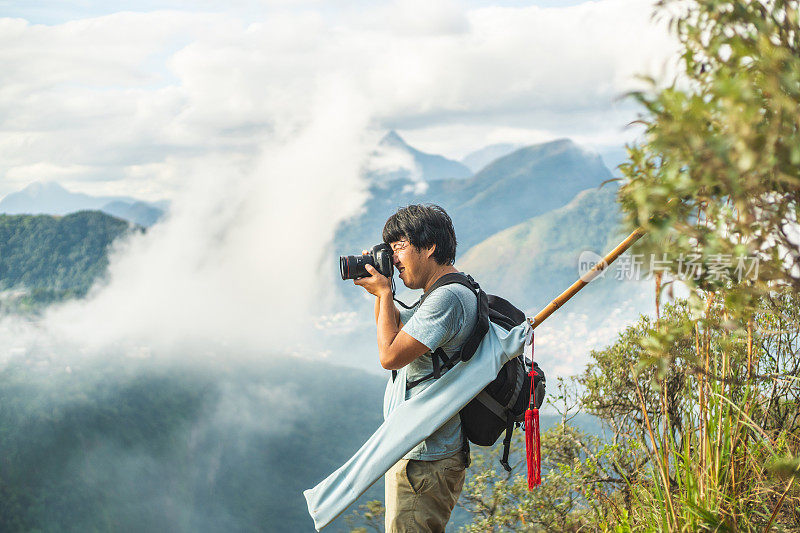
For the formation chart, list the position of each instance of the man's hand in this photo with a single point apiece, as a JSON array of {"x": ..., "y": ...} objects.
[{"x": 376, "y": 284}]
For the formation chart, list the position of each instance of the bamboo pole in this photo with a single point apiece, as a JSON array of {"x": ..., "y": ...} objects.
[{"x": 586, "y": 278}]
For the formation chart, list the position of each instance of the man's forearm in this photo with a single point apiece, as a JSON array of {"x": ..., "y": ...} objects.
[
  {"x": 386, "y": 319},
  {"x": 395, "y": 310}
]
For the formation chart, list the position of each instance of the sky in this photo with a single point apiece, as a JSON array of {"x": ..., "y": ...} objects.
[
  {"x": 256, "y": 120},
  {"x": 114, "y": 98}
]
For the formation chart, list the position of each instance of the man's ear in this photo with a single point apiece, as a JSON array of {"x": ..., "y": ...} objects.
[{"x": 429, "y": 251}]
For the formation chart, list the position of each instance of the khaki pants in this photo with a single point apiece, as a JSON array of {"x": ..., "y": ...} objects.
[{"x": 420, "y": 495}]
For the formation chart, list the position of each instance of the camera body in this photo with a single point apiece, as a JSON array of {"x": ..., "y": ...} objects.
[{"x": 380, "y": 257}]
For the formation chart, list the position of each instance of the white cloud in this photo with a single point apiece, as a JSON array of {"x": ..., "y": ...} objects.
[
  {"x": 129, "y": 90},
  {"x": 418, "y": 18},
  {"x": 239, "y": 258}
]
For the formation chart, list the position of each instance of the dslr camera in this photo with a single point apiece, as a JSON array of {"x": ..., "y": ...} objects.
[{"x": 380, "y": 257}]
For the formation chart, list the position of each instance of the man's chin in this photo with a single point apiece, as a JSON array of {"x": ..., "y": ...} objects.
[{"x": 404, "y": 281}]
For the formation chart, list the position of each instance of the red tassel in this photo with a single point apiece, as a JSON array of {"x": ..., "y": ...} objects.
[{"x": 532, "y": 448}]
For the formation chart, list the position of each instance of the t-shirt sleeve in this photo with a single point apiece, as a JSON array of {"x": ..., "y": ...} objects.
[{"x": 436, "y": 320}]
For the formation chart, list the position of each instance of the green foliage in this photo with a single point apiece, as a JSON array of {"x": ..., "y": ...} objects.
[
  {"x": 53, "y": 258},
  {"x": 719, "y": 173},
  {"x": 718, "y": 178}
]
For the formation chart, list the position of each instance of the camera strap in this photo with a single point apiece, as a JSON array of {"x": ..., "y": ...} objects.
[{"x": 401, "y": 303}]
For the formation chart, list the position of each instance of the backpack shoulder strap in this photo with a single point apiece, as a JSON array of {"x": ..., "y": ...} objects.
[
  {"x": 452, "y": 277},
  {"x": 477, "y": 333}
]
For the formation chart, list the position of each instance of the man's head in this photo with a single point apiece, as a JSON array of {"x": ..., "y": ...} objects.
[{"x": 423, "y": 240}]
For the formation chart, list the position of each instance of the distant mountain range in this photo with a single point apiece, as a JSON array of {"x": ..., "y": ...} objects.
[
  {"x": 522, "y": 221},
  {"x": 525, "y": 183},
  {"x": 538, "y": 258},
  {"x": 50, "y": 198}
]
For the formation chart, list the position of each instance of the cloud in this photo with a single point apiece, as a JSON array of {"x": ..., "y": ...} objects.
[
  {"x": 419, "y": 18},
  {"x": 238, "y": 261},
  {"x": 165, "y": 88}
]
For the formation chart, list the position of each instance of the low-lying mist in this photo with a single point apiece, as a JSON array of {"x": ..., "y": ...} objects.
[{"x": 122, "y": 445}]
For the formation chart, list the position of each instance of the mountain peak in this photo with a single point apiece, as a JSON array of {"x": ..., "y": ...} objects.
[
  {"x": 555, "y": 144},
  {"x": 427, "y": 166},
  {"x": 37, "y": 188},
  {"x": 48, "y": 197},
  {"x": 556, "y": 147},
  {"x": 393, "y": 139}
]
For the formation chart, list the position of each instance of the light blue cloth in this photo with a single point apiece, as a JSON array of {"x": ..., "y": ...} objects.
[
  {"x": 411, "y": 421},
  {"x": 445, "y": 319}
]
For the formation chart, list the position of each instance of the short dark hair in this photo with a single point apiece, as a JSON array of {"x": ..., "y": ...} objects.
[{"x": 424, "y": 226}]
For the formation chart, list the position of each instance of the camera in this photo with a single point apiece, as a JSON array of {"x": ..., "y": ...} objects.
[{"x": 380, "y": 257}]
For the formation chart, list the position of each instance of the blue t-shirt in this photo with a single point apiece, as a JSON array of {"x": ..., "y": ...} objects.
[{"x": 445, "y": 319}]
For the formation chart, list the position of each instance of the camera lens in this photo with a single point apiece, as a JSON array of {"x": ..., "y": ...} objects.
[
  {"x": 354, "y": 266},
  {"x": 344, "y": 266}
]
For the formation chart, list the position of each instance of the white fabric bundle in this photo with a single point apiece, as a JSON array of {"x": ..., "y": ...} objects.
[{"x": 412, "y": 421}]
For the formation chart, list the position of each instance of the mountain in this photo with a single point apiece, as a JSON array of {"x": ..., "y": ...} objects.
[
  {"x": 50, "y": 257},
  {"x": 538, "y": 258},
  {"x": 551, "y": 187},
  {"x": 395, "y": 159},
  {"x": 50, "y": 198},
  {"x": 140, "y": 213},
  {"x": 528, "y": 182},
  {"x": 480, "y": 158}
]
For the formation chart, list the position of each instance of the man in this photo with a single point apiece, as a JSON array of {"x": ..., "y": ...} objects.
[{"x": 423, "y": 487}]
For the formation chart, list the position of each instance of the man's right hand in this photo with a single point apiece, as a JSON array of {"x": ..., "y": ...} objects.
[
  {"x": 376, "y": 283},
  {"x": 378, "y": 301}
]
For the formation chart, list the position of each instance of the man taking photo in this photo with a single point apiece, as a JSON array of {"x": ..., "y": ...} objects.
[{"x": 423, "y": 487}]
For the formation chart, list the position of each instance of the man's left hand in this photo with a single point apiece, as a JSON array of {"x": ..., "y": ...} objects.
[{"x": 376, "y": 284}]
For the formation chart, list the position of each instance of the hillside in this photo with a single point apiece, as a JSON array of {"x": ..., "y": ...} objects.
[
  {"x": 51, "y": 257},
  {"x": 537, "y": 259}
]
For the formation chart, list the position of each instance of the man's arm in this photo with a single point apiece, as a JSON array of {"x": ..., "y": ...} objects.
[
  {"x": 396, "y": 310},
  {"x": 396, "y": 348}
]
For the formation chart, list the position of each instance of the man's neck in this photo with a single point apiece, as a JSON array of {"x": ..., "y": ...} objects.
[{"x": 438, "y": 273}]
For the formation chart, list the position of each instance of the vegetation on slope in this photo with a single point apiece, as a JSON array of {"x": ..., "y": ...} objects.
[{"x": 48, "y": 258}]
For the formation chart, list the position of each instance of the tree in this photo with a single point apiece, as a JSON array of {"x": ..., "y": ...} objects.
[
  {"x": 716, "y": 184},
  {"x": 718, "y": 176}
]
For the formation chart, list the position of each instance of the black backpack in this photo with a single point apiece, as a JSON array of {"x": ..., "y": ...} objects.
[{"x": 502, "y": 403}]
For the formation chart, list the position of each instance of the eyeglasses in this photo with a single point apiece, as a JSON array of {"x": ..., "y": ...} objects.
[{"x": 399, "y": 245}]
